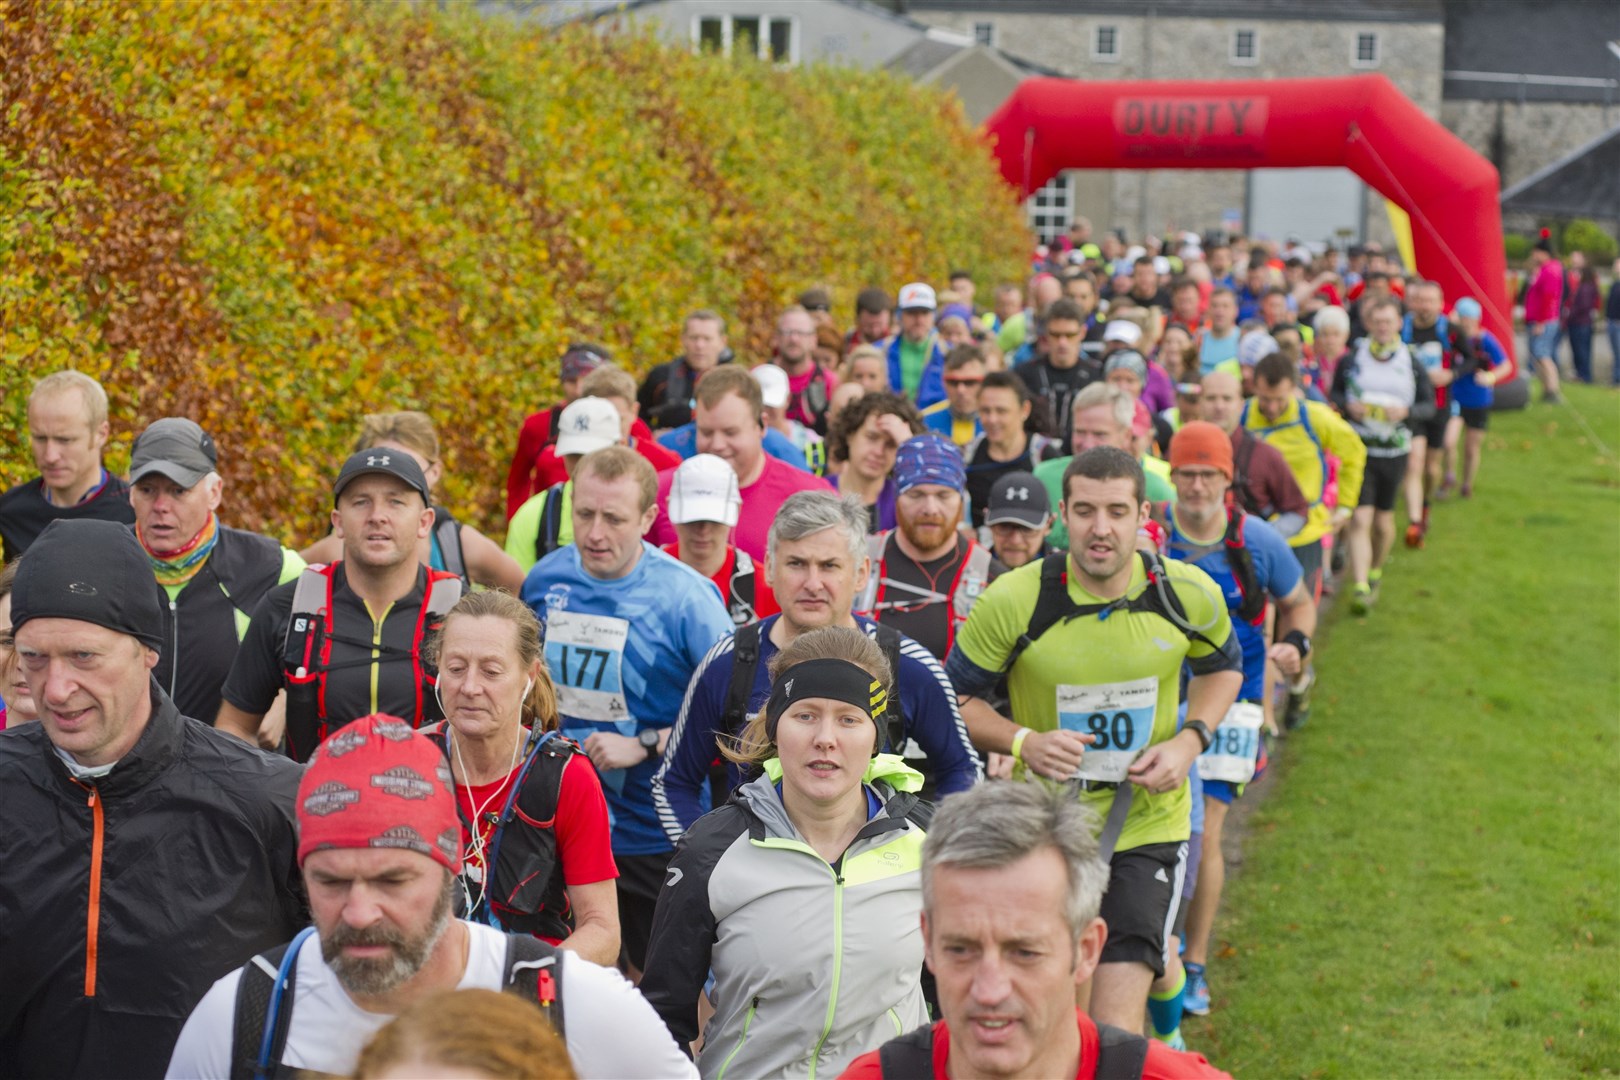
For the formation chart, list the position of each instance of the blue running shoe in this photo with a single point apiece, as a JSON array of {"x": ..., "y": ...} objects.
[{"x": 1195, "y": 999}]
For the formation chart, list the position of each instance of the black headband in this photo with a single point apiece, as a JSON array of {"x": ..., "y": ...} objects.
[{"x": 838, "y": 680}]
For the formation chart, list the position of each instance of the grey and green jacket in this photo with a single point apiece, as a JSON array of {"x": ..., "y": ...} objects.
[{"x": 814, "y": 964}]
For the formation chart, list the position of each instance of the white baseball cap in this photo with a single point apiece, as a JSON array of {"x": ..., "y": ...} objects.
[
  {"x": 773, "y": 385},
  {"x": 1123, "y": 330},
  {"x": 1254, "y": 347},
  {"x": 590, "y": 423},
  {"x": 917, "y": 295},
  {"x": 704, "y": 488}
]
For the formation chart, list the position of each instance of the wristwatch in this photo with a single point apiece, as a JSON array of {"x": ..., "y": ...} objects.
[
  {"x": 649, "y": 742},
  {"x": 1299, "y": 640},
  {"x": 1200, "y": 729}
]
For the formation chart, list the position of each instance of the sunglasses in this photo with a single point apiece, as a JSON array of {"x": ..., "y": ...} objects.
[{"x": 961, "y": 380}]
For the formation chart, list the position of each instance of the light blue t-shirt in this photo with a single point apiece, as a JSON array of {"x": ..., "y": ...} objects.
[
  {"x": 621, "y": 653},
  {"x": 1275, "y": 568},
  {"x": 1214, "y": 351}
]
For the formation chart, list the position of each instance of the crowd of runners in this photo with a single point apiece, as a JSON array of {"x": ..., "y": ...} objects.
[{"x": 664, "y": 763}]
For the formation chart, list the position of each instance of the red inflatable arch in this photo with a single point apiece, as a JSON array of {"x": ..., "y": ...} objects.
[{"x": 1361, "y": 122}]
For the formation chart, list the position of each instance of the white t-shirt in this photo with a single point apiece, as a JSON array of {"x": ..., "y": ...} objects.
[{"x": 611, "y": 1030}]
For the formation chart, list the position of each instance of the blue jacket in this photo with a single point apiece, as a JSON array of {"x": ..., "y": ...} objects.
[
  {"x": 931, "y": 387},
  {"x": 927, "y": 706}
]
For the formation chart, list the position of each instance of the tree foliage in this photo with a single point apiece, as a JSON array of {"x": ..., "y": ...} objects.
[{"x": 275, "y": 217}]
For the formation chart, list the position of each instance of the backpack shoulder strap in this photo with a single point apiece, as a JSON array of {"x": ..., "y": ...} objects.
[
  {"x": 1241, "y": 561},
  {"x": 1121, "y": 1055},
  {"x": 550, "y": 530},
  {"x": 447, "y": 531},
  {"x": 444, "y": 589},
  {"x": 910, "y": 1057},
  {"x": 264, "y": 1004},
  {"x": 534, "y": 972},
  {"x": 744, "y": 663},
  {"x": 889, "y": 640},
  {"x": 310, "y": 618},
  {"x": 1051, "y": 605}
]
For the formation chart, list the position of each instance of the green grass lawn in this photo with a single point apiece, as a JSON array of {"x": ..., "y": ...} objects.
[{"x": 1431, "y": 887}]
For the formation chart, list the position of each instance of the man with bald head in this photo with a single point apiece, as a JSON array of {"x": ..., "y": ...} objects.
[{"x": 1261, "y": 479}]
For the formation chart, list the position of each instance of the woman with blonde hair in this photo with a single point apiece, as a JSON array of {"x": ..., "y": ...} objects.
[
  {"x": 801, "y": 893},
  {"x": 535, "y": 833},
  {"x": 467, "y": 1033},
  {"x": 451, "y": 545}
]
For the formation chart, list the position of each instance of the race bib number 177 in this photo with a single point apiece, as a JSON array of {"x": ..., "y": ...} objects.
[{"x": 1118, "y": 716}]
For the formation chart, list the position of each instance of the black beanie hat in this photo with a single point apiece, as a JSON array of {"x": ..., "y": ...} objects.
[{"x": 92, "y": 571}]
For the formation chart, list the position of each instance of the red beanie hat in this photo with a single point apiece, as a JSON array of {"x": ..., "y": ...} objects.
[
  {"x": 376, "y": 783},
  {"x": 1202, "y": 443}
]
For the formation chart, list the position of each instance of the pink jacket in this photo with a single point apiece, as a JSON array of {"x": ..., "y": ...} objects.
[{"x": 1546, "y": 293}]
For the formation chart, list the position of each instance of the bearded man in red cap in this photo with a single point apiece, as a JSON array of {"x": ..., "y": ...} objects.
[{"x": 379, "y": 844}]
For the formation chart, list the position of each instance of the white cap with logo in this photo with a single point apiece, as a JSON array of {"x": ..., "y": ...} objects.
[
  {"x": 704, "y": 488},
  {"x": 917, "y": 296},
  {"x": 773, "y": 385},
  {"x": 589, "y": 423}
]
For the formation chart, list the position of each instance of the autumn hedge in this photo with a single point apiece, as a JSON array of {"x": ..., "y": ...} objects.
[{"x": 274, "y": 217}]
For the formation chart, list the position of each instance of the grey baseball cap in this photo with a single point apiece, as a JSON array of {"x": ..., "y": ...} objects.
[{"x": 174, "y": 447}]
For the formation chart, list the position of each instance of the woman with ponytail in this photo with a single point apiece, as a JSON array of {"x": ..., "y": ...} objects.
[
  {"x": 534, "y": 823},
  {"x": 801, "y": 894}
]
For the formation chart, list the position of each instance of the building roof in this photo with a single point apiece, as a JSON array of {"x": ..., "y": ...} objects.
[
  {"x": 1490, "y": 57},
  {"x": 1582, "y": 183},
  {"x": 1384, "y": 11}
]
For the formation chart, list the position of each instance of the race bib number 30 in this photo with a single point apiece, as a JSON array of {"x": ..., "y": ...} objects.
[
  {"x": 584, "y": 654},
  {"x": 1119, "y": 716},
  {"x": 1235, "y": 746}
]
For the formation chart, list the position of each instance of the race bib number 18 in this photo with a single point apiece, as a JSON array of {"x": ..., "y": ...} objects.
[
  {"x": 1234, "y": 747},
  {"x": 1119, "y": 716}
]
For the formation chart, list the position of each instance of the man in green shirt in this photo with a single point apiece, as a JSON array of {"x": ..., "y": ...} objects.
[
  {"x": 1102, "y": 417},
  {"x": 916, "y": 361},
  {"x": 1094, "y": 698}
]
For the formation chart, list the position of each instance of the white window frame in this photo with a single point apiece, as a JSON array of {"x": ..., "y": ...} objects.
[
  {"x": 727, "y": 30},
  {"x": 1060, "y": 217},
  {"x": 1355, "y": 50},
  {"x": 1096, "y": 43},
  {"x": 989, "y": 29},
  {"x": 1254, "y": 40}
]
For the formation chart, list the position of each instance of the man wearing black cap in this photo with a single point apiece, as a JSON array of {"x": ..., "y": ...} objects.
[
  {"x": 345, "y": 640},
  {"x": 213, "y": 575},
  {"x": 143, "y": 853},
  {"x": 1019, "y": 516}
]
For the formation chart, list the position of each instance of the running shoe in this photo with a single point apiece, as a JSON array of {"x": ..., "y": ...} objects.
[
  {"x": 1414, "y": 534},
  {"x": 1174, "y": 1041},
  {"x": 1361, "y": 601},
  {"x": 1195, "y": 999}
]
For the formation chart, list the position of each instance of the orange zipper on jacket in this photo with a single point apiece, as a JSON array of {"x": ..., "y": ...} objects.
[{"x": 92, "y": 930}]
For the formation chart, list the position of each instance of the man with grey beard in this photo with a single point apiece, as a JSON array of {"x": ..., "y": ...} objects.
[{"x": 380, "y": 846}]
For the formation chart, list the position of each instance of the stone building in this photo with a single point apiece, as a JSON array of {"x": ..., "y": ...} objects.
[{"x": 1521, "y": 81}]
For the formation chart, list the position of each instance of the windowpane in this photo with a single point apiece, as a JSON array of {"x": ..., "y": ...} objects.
[
  {"x": 1107, "y": 40},
  {"x": 1367, "y": 48},
  {"x": 711, "y": 35},
  {"x": 745, "y": 34},
  {"x": 984, "y": 33},
  {"x": 1243, "y": 45},
  {"x": 781, "y": 40}
]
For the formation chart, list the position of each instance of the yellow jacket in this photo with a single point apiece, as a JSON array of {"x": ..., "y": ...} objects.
[{"x": 1305, "y": 439}]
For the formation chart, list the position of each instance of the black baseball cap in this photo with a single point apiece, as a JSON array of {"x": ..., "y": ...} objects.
[
  {"x": 1017, "y": 498},
  {"x": 384, "y": 460}
]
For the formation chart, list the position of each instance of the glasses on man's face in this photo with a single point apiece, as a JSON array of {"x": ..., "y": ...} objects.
[
  {"x": 797, "y": 333},
  {"x": 962, "y": 380}
]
